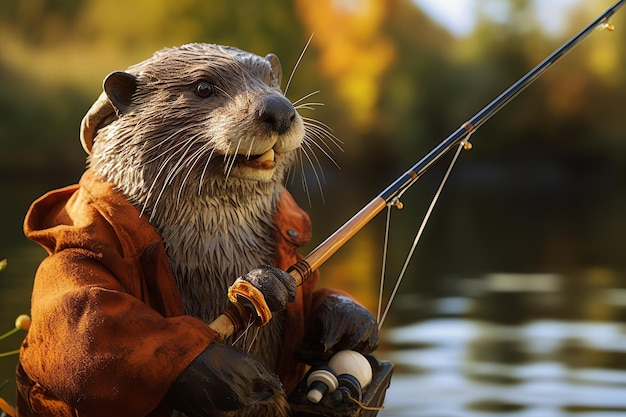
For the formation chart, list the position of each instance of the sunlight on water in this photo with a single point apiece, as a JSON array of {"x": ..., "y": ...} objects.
[{"x": 466, "y": 367}]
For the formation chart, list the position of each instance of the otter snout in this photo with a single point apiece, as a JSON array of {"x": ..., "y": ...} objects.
[{"x": 276, "y": 113}]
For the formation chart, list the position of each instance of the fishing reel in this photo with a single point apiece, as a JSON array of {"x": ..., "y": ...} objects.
[
  {"x": 350, "y": 385},
  {"x": 345, "y": 376}
]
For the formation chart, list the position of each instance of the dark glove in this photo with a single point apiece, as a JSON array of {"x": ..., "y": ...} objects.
[
  {"x": 277, "y": 286},
  {"x": 337, "y": 324},
  {"x": 263, "y": 290},
  {"x": 222, "y": 379}
]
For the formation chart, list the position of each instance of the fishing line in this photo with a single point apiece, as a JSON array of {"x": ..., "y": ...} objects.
[
  {"x": 417, "y": 236},
  {"x": 384, "y": 264},
  {"x": 257, "y": 329},
  {"x": 244, "y": 334}
]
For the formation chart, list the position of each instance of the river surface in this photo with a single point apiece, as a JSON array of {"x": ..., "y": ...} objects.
[{"x": 458, "y": 366}]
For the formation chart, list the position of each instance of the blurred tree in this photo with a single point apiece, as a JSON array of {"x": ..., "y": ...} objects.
[{"x": 353, "y": 51}]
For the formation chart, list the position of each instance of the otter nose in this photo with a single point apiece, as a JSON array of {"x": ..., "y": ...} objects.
[{"x": 276, "y": 112}]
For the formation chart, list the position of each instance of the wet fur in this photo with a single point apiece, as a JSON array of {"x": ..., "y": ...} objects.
[{"x": 169, "y": 154}]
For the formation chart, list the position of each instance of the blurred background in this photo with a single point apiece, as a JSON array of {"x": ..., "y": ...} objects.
[{"x": 514, "y": 300}]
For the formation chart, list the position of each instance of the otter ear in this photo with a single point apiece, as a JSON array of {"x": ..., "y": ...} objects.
[
  {"x": 277, "y": 69},
  {"x": 119, "y": 87}
]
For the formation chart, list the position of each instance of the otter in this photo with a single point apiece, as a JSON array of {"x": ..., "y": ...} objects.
[
  {"x": 188, "y": 153},
  {"x": 203, "y": 151}
]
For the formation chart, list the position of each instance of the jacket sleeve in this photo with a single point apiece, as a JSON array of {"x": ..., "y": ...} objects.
[{"x": 98, "y": 348}]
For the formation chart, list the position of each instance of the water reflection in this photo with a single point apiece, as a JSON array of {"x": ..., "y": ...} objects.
[{"x": 484, "y": 359}]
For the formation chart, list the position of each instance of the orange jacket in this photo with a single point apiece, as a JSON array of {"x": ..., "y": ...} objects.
[{"x": 109, "y": 334}]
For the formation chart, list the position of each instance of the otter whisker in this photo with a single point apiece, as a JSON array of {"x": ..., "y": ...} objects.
[
  {"x": 313, "y": 157},
  {"x": 322, "y": 131},
  {"x": 178, "y": 166},
  {"x": 184, "y": 146},
  {"x": 194, "y": 158},
  {"x": 317, "y": 176},
  {"x": 308, "y": 141},
  {"x": 303, "y": 180},
  {"x": 250, "y": 149},
  {"x": 229, "y": 160},
  {"x": 233, "y": 158},
  {"x": 175, "y": 150},
  {"x": 158, "y": 175},
  {"x": 206, "y": 165},
  {"x": 290, "y": 171},
  {"x": 317, "y": 136},
  {"x": 311, "y": 94},
  {"x": 308, "y": 106},
  {"x": 173, "y": 173},
  {"x": 161, "y": 153},
  {"x": 166, "y": 156},
  {"x": 164, "y": 140},
  {"x": 320, "y": 140},
  {"x": 293, "y": 71}
]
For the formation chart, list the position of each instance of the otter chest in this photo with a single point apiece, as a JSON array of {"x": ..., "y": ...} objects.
[
  {"x": 209, "y": 250},
  {"x": 212, "y": 246}
]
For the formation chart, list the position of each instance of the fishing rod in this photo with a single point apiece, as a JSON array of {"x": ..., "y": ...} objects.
[{"x": 228, "y": 323}]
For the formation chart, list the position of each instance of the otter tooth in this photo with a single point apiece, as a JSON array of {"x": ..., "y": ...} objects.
[{"x": 267, "y": 156}]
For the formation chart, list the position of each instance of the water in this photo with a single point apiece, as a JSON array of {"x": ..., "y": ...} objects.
[{"x": 459, "y": 366}]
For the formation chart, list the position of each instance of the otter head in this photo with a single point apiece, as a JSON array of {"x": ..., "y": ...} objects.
[{"x": 196, "y": 114}]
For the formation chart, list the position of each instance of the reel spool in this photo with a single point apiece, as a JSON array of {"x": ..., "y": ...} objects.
[{"x": 348, "y": 373}]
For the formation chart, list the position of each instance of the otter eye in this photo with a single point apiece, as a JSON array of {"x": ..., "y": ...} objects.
[{"x": 204, "y": 89}]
